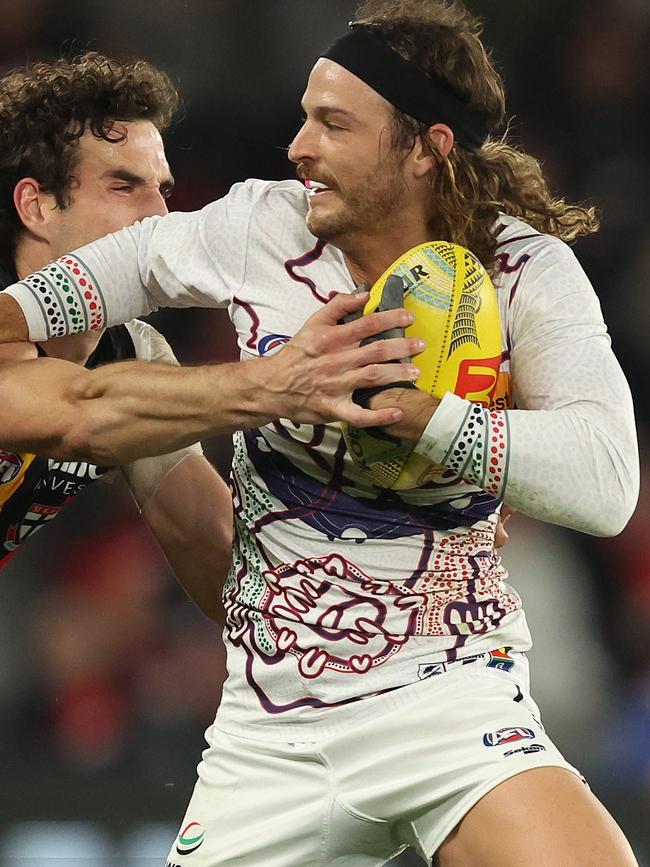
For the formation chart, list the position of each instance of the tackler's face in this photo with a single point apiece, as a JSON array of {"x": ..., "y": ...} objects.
[
  {"x": 114, "y": 184},
  {"x": 344, "y": 154}
]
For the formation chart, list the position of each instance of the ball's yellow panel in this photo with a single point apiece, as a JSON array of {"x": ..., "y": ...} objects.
[{"x": 456, "y": 312}]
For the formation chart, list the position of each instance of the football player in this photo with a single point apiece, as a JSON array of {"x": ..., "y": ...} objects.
[{"x": 378, "y": 693}]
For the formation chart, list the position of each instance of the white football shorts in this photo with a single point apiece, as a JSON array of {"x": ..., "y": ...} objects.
[{"x": 404, "y": 778}]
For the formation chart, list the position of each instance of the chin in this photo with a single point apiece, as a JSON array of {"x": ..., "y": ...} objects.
[{"x": 327, "y": 227}]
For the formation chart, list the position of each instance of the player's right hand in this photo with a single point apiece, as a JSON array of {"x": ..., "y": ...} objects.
[{"x": 318, "y": 370}]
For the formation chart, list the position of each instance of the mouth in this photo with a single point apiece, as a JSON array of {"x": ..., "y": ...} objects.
[{"x": 315, "y": 188}]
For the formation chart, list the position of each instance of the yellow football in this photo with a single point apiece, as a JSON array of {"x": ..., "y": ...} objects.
[{"x": 456, "y": 313}]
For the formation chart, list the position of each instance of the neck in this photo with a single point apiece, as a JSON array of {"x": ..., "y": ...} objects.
[
  {"x": 32, "y": 254},
  {"x": 368, "y": 257}
]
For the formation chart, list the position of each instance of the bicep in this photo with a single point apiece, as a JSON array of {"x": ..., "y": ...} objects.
[{"x": 561, "y": 355}]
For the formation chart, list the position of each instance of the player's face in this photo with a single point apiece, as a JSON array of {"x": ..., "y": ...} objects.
[
  {"x": 345, "y": 146},
  {"x": 114, "y": 184}
]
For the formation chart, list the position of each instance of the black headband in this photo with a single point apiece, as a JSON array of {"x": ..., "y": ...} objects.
[{"x": 430, "y": 100}]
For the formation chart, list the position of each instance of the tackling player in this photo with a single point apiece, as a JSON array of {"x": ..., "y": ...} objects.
[
  {"x": 81, "y": 155},
  {"x": 69, "y": 172},
  {"x": 378, "y": 691}
]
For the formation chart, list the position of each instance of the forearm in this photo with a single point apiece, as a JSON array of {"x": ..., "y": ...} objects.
[
  {"x": 559, "y": 466},
  {"x": 188, "y": 508},
  {"x": 121, "y": 412}
]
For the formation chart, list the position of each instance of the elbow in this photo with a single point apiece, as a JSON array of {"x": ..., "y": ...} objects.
[
  {"x": 613, "y": 519},
  {"x": 616, "y": 482},
  {"x": 611, "y": 504},
  {"x": 620, "y": 493}
]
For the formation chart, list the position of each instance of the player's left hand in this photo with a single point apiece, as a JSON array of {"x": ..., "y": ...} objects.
[
  {"x": 417, "y": 408},
  {"x": 501, "y": 535}
]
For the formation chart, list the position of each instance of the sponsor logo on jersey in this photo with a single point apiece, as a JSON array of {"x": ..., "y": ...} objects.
[
  {"x": 501, "y": 659},
  {"x": 271, "y": 342},
  {"x": 172, "y": 864},
  {"x": 190, "y": 838},
  {"x": 527, "y": 750},
  {"x": 507, "y": 736},
  {"x": 68, "y": 478},
  {"x": 10, "y": 466}
]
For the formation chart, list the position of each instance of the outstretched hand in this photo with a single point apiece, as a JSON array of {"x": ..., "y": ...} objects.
[{"x": 320, "y": 368}]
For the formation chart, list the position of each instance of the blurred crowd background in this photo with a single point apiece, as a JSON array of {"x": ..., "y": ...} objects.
[{"x": 108, "y": 676}]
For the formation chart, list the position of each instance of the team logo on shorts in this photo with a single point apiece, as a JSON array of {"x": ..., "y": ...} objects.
[
  {"x": 10, "y": 466},
  {"x": 507, "y": 736},
  {"x": 190, "y": 838}
]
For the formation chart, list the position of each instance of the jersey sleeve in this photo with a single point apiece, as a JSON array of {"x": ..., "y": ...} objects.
[
  {"x": 568, "y": 453},
  {"x": 192, "y": 259}
]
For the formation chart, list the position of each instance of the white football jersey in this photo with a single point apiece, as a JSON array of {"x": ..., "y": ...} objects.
[{"x": 339, "y": 591}]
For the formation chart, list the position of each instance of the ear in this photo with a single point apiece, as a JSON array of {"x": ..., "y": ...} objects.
[
  {"x": 442, "y": 138},
  {"x": 34, "y": 207}
]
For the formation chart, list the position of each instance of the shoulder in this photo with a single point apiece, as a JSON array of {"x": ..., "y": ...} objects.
[
  {"x": 257, "y": 197},
  {"x": 516, "y": 238},
  {"x": 535, "y": 261},
  {"x": 253, "y": 210},
  {"x": 542, "y": 287},
  {"x": 252, "y": 193}
]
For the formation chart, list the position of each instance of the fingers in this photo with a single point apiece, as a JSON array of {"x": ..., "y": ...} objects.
[
  {"x": 359, "y": 417},
  {"x": 389, "y": 350},
  {"x": 373, "y": 375},
  {"x": 339, "y": 306},
  {"x": 500, "y": 536},
  {"x": 378, "y": 353},
  {"x": 374, "y": 323}
]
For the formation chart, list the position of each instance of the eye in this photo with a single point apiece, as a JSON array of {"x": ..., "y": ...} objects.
[
  {"x": 333, "y": 127},
  {"x": 123, "y": 188}
]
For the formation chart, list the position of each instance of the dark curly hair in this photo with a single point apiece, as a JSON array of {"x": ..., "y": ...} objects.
[
  {"x": 442, "y": 38},
  {"x": 46, "y": 107}
]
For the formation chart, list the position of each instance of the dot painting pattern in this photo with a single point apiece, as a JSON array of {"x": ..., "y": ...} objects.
[
  {"x": 479, "y": 452},
  {"x": 68, "y": 297}
]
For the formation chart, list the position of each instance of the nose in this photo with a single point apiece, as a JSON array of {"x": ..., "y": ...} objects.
[
  {"x": 155, "y": 205},
  {"x": 161, "y": 204},
  {"x": 304, "y": 145}
]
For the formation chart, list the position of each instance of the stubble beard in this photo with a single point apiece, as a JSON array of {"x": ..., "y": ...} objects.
[{"x": 364, "y": 209}]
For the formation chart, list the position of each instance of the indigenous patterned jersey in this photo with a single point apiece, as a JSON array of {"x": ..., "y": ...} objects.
[
  {"x": 339, "y": 591},
  {"x": 34, "y": 489}
]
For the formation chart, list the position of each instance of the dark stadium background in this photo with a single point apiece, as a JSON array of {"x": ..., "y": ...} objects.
[{"x": 108, "y": 676}]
